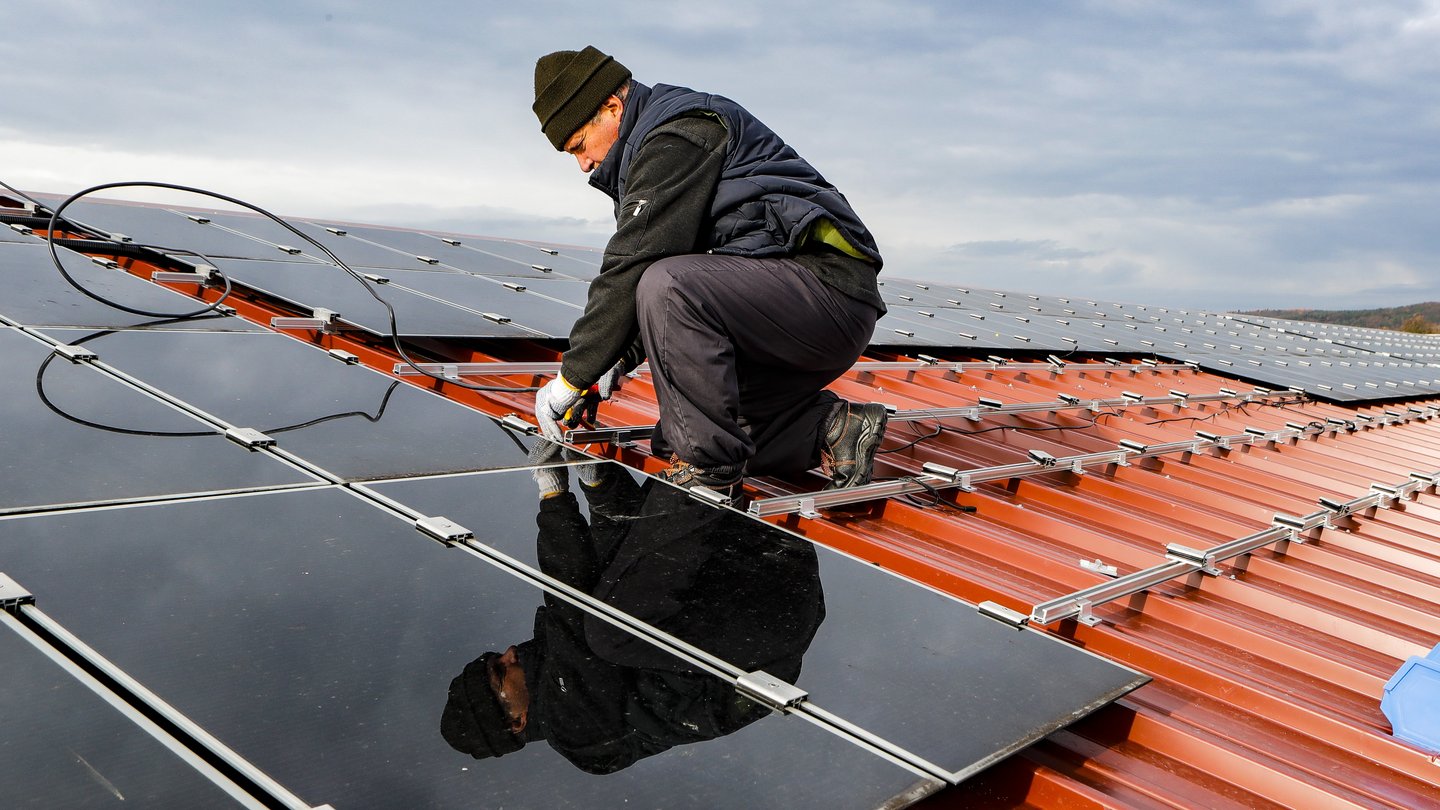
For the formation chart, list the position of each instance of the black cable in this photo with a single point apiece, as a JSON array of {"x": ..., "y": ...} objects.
[
  {"x": 1224, "y": 409},
  {"x": 394, "y": 327},
  {"x": 58, "y": 411}
]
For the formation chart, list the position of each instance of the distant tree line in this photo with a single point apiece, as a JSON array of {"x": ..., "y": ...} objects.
[{"x": 1417, "y": 318}]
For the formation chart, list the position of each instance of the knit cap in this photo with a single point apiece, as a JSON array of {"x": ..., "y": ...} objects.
[{"x": 570, "y": 86}]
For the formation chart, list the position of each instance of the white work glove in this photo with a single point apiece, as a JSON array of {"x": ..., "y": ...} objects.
[
  {"x": 557, "y": 400},
  {"x": 552, "y": 480}
]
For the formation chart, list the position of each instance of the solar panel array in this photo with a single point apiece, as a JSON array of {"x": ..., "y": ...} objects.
[
  {"x": 229, "y": 534},
  {"x": 444, "y": 285},
  {"x": 1327, "y": 361}
]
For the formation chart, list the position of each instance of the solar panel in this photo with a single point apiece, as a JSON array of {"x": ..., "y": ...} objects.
[
  {"x": 354, "y": 422},
  {"x": 472, "y": 254},
  {"x": 9, "y": 235},
  {"x": 572, "y": 261},
  {"x": 328, "y": 287},
  {"x": 36, "y": 295},
  {"x": 321, "y": 642},
  {"x": 664, "y": 557},
  {"x": 71, "y": 435},
  {"x": 67, "y": 745},
  {"x": 167, "y": 228},
  {"x": 510, "y": 297}
]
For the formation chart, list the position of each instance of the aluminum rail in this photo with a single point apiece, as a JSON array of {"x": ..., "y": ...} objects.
[
  {"x": 277, "y": 793},
  {"x": 930, "y": 364},
  {"x": 978, "y": 412},
  {"x": 1078, "y": 605},
  {"x": 133, "y": 715},
  {"x": 939, "y": 476},
  {"x": 1183, "y": 561}
]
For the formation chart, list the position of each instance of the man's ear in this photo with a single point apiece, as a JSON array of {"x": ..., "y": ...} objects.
[{"x": 517, "y": 724}]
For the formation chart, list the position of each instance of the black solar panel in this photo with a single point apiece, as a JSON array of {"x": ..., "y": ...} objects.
[
  {"x": 760, "y": 598},
  {"x": 318, "y": 637}
]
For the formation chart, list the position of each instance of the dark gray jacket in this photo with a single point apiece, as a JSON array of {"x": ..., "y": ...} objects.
[{"x": 680, "y": 188}]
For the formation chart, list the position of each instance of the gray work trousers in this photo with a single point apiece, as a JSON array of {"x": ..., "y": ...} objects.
[{"x": 740, "y": 351}]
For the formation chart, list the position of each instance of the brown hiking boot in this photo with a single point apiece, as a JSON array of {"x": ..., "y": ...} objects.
[
  {"x": 852, "y": 435},
  {"x": 724, "y": 480}
]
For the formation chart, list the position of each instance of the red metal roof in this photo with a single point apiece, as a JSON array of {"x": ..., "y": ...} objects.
[{"x": 1268, "y": 672}]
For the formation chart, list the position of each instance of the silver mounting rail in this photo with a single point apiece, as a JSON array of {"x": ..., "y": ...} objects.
[
  {"x": 974, "y": 413},
  {"x": 1183, "y": 561},
  {"x": 939, "y": 476},
  {"x": 458, "y": 370}
]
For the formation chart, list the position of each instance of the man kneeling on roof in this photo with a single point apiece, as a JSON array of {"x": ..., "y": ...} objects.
[{"x": 744, "y": 277}]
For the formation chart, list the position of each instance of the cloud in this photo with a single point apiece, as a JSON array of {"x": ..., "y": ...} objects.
[
  {"x": 1199, "y": 153},
  {"x": 1045, "y": 250}
]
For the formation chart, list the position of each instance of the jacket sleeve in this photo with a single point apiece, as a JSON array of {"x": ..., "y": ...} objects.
[{"x": 670, "y": 186}]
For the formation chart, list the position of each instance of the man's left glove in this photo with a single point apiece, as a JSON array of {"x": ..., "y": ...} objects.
[
  {"x": 611, "y": 380},
  {"x": 551, "y": 480},
  {"x": 557, "y": 401}
]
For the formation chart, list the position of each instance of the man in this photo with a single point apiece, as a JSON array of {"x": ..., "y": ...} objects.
[{"x": 745, "y": 278}]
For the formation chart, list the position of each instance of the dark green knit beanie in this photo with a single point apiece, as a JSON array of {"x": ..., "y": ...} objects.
[{"x": 570, "y": 86}]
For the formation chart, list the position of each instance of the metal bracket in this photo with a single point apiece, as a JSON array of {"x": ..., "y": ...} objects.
[
  {"x": 345, "y": 357},
  {"x": 1000, "y": 613},
  {"x": 166, "y": 277},
  {"x": 428, "y": 259},
  {"x": 496, "y": 317},
  {"x": 293, "y": 251},
  {"x": 1100, "y": 567},
  {"x": 444, "y": 530},
  {"x": 12, "y": 596},
  {"x": 770, "y": 690},
  {"x": 323, "y": 320},
  {"x": 75, "y": 354},
  {"x": 808, "y": 510},
  {"x": 249, "y": 438},
  {"x": 1193, "y": 556},
  {"x": 108, "y": 264}
]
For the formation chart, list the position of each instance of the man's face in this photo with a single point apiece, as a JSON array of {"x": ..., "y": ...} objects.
[
  {"x": 591, "y": 143},
  {"x": 507, "y": 682}
]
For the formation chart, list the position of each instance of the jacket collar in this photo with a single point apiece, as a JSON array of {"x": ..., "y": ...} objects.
[{"x": 607, "y": 176}]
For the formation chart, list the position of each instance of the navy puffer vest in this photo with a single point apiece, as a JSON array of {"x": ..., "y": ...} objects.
[{"x": 768, "y": 195}]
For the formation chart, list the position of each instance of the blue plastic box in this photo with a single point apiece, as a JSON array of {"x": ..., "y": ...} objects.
[{"x": 1412, "y": 701}]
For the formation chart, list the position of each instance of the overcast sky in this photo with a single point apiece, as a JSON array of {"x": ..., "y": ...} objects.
[{"x": 1226, "y": 155}]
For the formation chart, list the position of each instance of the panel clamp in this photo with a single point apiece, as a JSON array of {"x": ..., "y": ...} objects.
[
  {"x": 515, "y": 423},
  {"x": 770, "y": 690},
  {"x": 1003, "y": 614},
  {"x": 75, "y": 354},
  {"x": 444, "y": 530},
  {"x": 249, "y": 438},
  {"x": 711, "y": 496},
  {"x": 12, "y": 596}
]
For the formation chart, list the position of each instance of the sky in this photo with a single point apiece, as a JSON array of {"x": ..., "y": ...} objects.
[{"x": 1218, "y": 155}]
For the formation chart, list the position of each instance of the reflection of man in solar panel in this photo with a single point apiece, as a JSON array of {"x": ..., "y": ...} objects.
[
  {"x": 603, "y": 698},
  {"x": 745, "y": 277}
]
